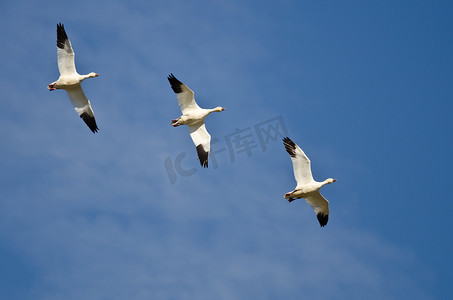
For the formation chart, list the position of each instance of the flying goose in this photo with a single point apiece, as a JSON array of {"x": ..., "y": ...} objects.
[
  {"x": 307, "y": 187},
  {"x": 70, "y": 80},
  {"x": 193, "y": 116}
]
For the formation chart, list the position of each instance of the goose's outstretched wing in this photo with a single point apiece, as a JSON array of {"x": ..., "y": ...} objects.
[
  {"x": 202, "y": 140},
  {"x": 321, "y": 207},
  {"x": 65, "y": 54},
  {"x": 301, "y": 163},
  {"x": 83, "y": 107},
  {"x": 184, "y": 95}
]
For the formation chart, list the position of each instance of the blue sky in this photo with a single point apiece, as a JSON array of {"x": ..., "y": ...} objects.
[{"x": 365, "y": 88}]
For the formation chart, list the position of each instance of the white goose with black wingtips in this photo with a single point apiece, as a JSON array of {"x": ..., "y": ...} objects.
[
  {"x": 70, "y": 80},
  {"x": 307, "y": 187},
  {"x": 193, "y": 116}
]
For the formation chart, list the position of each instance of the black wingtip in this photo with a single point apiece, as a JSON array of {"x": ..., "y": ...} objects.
[
  {"x": 203, "y": 156},
  {"x": 90, "y": 121},
  {"x": 175, "y": 83},
  {"x": 322, "y": 219},
  {"x": 290, "y": 146},
  {"x": 61, "y": 36}
]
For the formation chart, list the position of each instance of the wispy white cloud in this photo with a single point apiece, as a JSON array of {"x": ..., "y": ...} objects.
[{"x": 239, "y": 255}]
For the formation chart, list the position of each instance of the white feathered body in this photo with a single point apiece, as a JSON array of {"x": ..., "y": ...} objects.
[
  {"x": 304, "y": 191},
  {"x": 193, "y": 116}
]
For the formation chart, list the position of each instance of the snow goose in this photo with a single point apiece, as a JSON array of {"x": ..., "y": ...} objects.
[
  {"x": 193, "y": 116},
  {"x": 70, "y": 80},
  {"x": 307, "y": 187}
]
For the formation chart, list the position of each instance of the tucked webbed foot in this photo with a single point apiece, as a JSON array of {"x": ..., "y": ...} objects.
[
  {"x": 175, "y": 123},
  {"x": 289, "y": 196}
]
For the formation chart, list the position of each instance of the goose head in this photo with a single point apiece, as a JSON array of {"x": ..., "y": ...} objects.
[
  {"x": 89, "y": 75},
  {"x": 329, "y": 180},
  {"x": 219, "y": 108}
]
